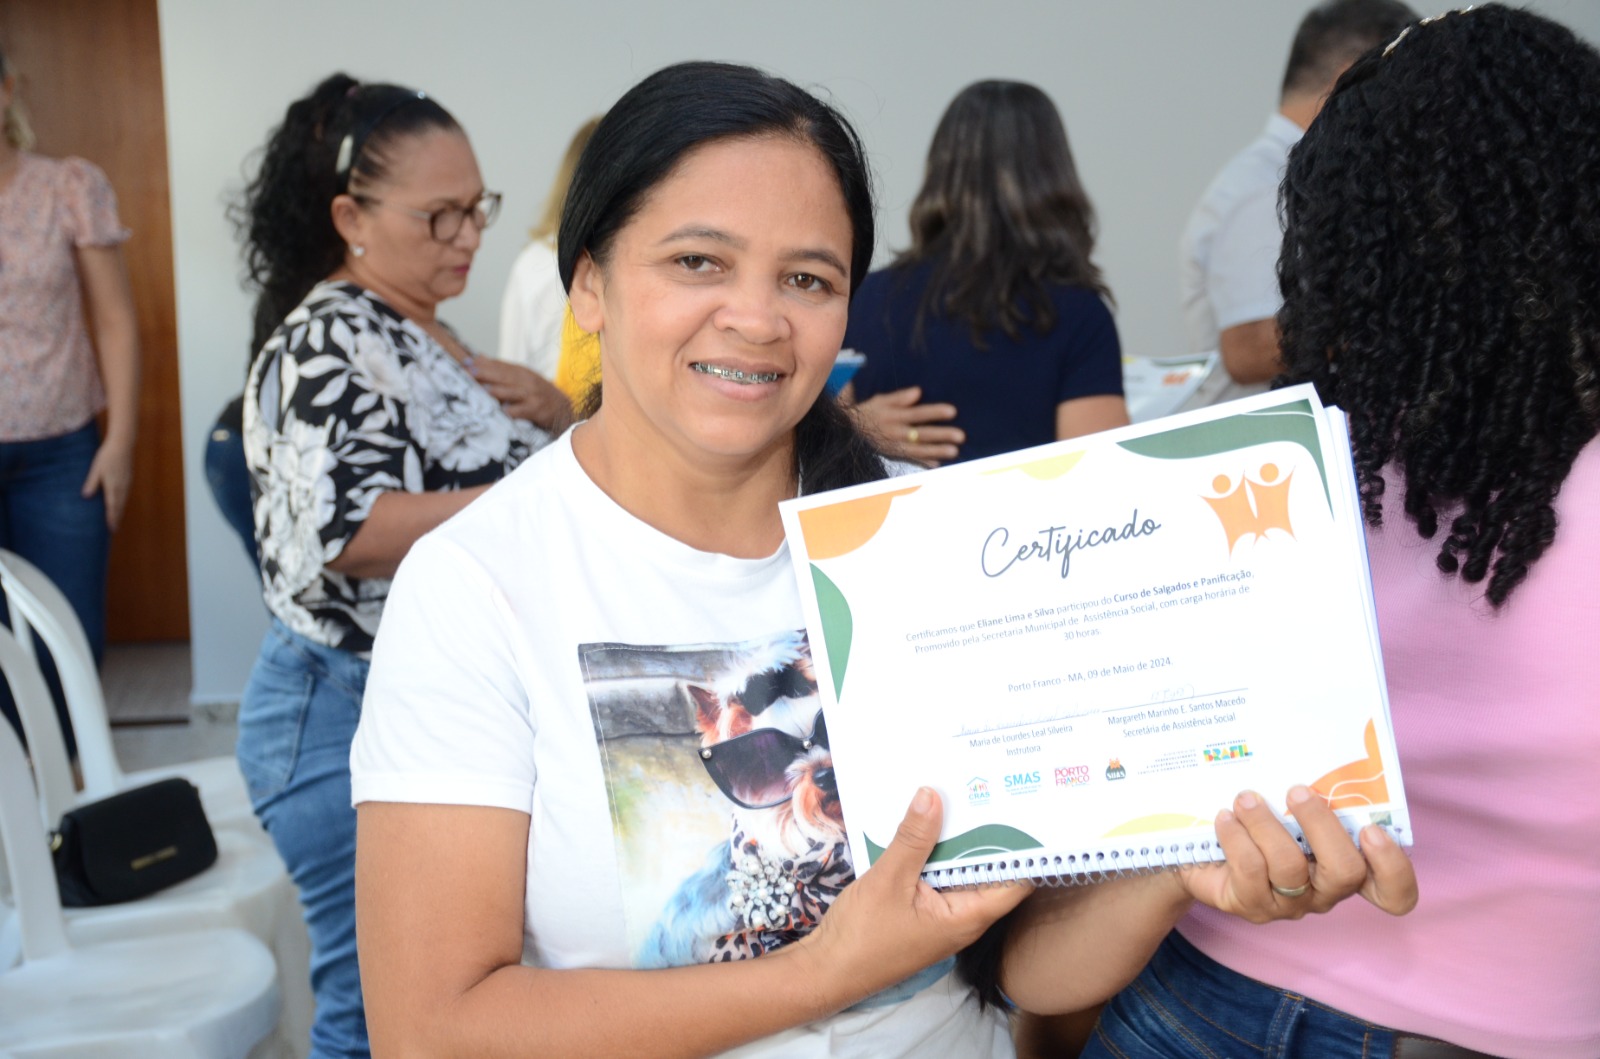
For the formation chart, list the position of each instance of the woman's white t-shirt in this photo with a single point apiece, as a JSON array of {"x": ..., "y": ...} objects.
[{"x": 547, "y": 652}]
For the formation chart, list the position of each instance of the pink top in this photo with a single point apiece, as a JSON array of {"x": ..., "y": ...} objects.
[
  {"x": 1497, "y": 721},
  {"x": 49, "y": 379}
]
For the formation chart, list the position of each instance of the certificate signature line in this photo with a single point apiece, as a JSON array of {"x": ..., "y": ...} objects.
[{"x": 966, "y": 733}]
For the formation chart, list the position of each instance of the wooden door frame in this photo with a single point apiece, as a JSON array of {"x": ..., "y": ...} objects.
[{"x": 89, "y": 73}]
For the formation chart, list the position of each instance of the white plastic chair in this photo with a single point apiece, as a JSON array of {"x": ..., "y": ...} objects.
[
  {"x": 247, "y": 888},
  {"x": 34, "y": 601},
  {"x": 204, "y": 994}
]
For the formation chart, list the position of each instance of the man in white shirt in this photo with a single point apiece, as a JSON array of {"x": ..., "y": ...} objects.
[{"x": 1230, "y": 245}]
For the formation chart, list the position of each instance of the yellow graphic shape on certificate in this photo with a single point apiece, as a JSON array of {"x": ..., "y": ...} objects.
[
  {"x": 839, "y": 529},
  {"x": 1251, "y": 508},
  {"x": 1359, "y": 783},
  {"x": 1157, "y": 822},
  {"x": 1044, "y": 470}
]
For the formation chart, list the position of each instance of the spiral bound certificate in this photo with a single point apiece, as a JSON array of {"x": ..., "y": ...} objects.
[{"x": 1090, "y": 647}]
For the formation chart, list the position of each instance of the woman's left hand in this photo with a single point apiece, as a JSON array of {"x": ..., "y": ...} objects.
[
  {"x": 523, "y": 393},
  {"x": 111, "y": 473},
  {"x": 1266, "y": 875}
]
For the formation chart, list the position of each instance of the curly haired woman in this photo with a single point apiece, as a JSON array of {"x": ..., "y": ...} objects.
[{"x": 1440, "y": 268}]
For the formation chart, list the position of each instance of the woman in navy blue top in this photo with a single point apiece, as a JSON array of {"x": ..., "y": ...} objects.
[{"x": 996, "y": 308}]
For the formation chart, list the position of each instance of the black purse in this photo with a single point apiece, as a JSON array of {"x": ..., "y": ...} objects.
[{"x": 132, "y": 844}]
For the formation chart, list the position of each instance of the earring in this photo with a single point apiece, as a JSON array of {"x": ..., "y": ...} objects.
[{"x": 358, "y": 251}]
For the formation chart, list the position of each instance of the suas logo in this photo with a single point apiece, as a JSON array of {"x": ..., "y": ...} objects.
[
  {"x": 977, "y": 790},
  {"x": 1115, "y": 771},
  {"x": 1072, "y": 775},
  {"x": 1022, "y": 782}
]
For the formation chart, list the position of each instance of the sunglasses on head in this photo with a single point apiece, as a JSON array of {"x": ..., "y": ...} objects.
[{"x": 751, "y": 769}]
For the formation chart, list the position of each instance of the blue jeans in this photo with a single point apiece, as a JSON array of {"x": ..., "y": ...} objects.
[
  {"x": 1185, "y": 1004},
  {"x": 45, "y": 519},
  {"x": 296, "y": 721},
  {"x": 229, "y": 478}
]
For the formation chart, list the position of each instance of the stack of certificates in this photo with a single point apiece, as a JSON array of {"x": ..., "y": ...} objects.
[{"x": 1090, "y": 647}]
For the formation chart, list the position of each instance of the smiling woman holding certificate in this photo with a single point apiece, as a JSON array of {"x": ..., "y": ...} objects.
[{"x": 598, "y": 812}]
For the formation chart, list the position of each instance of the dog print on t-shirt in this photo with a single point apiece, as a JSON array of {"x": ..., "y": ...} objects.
[{"x": 730, "y": 840}]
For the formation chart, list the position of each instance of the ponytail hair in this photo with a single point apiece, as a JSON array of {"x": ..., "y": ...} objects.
[
  {"x": 17, "y": 131},
  {"x": 337, "y": 139}
]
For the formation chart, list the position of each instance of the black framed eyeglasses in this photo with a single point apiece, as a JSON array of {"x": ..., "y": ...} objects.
[
  {"x": 752, "y": 769},
  {"x": 444, "y": 223}
]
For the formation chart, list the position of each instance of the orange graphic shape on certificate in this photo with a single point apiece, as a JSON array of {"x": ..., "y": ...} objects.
[
  {"x": 839, "y": 529},
  {"x": 1252, "y": 508},
  {"x": 1359, "y": 783}
]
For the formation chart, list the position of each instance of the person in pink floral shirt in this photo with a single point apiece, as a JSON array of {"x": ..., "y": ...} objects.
[{"x": 68, "y": 351}]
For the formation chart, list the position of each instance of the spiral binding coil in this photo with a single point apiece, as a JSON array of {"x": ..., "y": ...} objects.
[
  {"x": 1073, "y": 869},
  {"x": 1092, "y": 866}
]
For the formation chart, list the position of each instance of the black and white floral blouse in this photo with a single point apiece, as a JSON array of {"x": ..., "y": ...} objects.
[{"x": 346, "y": 401}]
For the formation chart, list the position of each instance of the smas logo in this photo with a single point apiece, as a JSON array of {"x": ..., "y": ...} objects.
[{"x": 1022, "y": 782}]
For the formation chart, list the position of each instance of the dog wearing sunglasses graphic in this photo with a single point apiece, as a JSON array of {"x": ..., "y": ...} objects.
[{"x": 764, "y": 744}]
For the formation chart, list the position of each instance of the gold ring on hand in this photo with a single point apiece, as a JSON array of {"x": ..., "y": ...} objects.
[
  {"x": 912, "y": 434},
  {"x": 1291, "y": 891}
]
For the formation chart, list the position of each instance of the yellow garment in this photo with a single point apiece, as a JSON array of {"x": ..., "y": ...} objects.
[{"x": 578, "y": 370}]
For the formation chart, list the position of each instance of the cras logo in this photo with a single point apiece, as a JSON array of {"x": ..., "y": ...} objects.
[
  {"x": 1251, "y": 508},
  {"x": 1226, "y": 752},
  {"x": 1115, "y": 771},
  {"x": 1022, "y": 782},
  {"x": 977, "y": 790},
  {"x": 1072, "y": 775}
]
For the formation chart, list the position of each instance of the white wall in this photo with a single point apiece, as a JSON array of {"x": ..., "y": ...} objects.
[{"x": 1156, "y": 96}]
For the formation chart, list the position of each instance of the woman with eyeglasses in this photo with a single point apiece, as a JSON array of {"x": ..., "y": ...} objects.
[
  {"x": 597, "y": 805},
  {"x": 367, "y": 422}
]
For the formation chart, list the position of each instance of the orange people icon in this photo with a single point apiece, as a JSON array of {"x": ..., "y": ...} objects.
[{"x": 1252, "y": 507}]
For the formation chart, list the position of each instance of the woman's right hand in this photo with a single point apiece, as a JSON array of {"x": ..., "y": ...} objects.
[
  {"x": 523, "y": 393},
  {"x": 905, "y": 427},
  {"x": 890, "y": 924}
]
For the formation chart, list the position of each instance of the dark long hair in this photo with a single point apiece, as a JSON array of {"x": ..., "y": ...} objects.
[
  {"x": 284, "y": 215},
  {"x": 1440, "y": 268},
  {"x": 640, "y": 142},
  {"x": 1002, "y": 216}
]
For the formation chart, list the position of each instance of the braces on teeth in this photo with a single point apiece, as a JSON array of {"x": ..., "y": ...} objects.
[{"x": 734, "y": 375}]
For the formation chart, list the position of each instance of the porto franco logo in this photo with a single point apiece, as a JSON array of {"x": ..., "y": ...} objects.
[
  {"x": 1227, "y": 752},
  {"x": 1022, "y": 782},
  {"x": 1115, "y": 771},
  {"x": 977, "y": 790},
  {"x": 1252, "y": 508},
  {"x": 1072, "y": 775}
]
